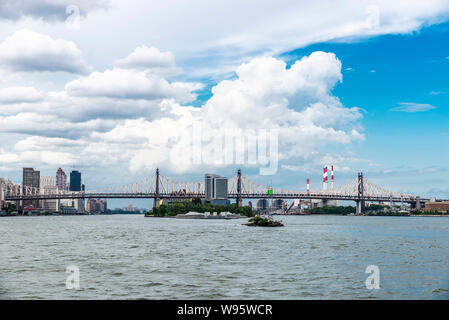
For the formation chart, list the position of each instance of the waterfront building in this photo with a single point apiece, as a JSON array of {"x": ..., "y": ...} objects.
[
  {"x": 442, "y": 206},
  {"x": 31, "y": 179},
  {"x": 262, "y": 204},
  {"x": 96, "y": 206},
  {"x": 77, "y": 205},
  {"x": 75, "y": 181},
  {"x": 277, "y": 203},
  {"x": 47, "y": 186},
  {"x": 51, "y": 205},
  {"x": 130, "y": 208},
  {"x": 61, "y": 180}
]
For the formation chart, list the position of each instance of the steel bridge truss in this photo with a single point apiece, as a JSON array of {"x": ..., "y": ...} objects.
[{"x": 239, "y": 187}]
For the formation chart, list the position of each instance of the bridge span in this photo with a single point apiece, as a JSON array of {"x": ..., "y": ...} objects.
[{"x": 159, "y": 188}]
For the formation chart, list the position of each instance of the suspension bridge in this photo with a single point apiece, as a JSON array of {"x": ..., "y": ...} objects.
[{"x": 159, "y": 188}]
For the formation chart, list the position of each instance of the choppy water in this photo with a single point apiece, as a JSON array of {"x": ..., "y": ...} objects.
[{"x": 132, "y": 257}]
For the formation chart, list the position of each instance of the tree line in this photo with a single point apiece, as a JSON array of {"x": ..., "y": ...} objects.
[{"x": 183, "y": 207}]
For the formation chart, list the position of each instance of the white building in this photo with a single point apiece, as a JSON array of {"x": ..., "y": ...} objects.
[{"x": 47, "y": 186}]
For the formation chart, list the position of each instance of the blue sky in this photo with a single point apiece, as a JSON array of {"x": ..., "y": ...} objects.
[
  {"x": 113, "y": 102},
  {"x": 379, "y": 74},
  {"x": 408, "y": 68}
]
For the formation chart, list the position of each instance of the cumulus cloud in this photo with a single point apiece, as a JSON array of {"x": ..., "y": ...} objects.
[
  {"x": 51, "y": 125},
  {"x": 413, "y": 107},
  {"x": 15, "y": 95},
  {"x": 295, "y": 102},
  {"x": 29, "y": 51},
  {"x": 50, "y": 10},
  {"x": 150, "y": 59},
  {"x": 127, "y": 84},
  {"x": 265, "y": 95}
]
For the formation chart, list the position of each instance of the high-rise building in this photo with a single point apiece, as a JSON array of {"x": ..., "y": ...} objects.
[
  {"x": 277, "y": 203},
  {"x": 75, "y": 181},
  {"x": 30, "y": 179},
  {"x": 216, "y": 188},
  {"x": 221, "y": 188},
  {"x": 47, "y": 186},
  {"x": 61, "y": 180},
  {"x": 262, "y": 204},
  {"x": 46, "y": 181}
]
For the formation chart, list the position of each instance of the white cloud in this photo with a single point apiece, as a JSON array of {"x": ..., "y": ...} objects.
[
  {"x": 127, "y": 84},
  {"x": 51, "y": 125},
  {"x": 212, "y": 35},
  {"x": 28, "y": 51},
  {"x": 150, "y": 59},
  {"x": 297, "y": 102},
  {"x": 413, "y": 107},
  {"x": 19, "y": 95}
]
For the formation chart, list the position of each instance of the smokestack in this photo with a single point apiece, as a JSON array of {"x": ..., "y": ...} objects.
[
  {"x": 332, "y": 178},
  {"x": 325, "y": 179},
  {"x": 308, "y": 186}
]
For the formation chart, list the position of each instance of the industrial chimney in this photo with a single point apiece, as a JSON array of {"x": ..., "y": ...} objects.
[
  {"x": 325, "y": 179},
  {"x": 332, "y": 178}
]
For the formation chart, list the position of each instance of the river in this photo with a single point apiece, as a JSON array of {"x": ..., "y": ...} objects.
[{"x": 312, "y": 257}]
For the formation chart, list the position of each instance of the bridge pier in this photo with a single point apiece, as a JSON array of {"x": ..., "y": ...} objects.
[
  {"x": 359, "y": 207},
  {"x": 360, "y": 203},
  {"x": 239, "y": 188},
  {"x": 157, "y": 199},
  {"x": 239, "y": 202},
  {"x": 417, "y": 203},
  {"x": 157, "y": 203}
]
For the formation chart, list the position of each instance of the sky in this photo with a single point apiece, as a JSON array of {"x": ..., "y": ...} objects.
[{"x": 115, "y": 89}]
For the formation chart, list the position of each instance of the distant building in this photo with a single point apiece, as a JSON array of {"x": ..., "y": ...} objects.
[
  {"x": 68, "y": 210},
  {"x": 277, "y": 203},
  {"x": 31, "y": 179},
  {"x": 216, "y": 189},
  {"x": 442, "y": 206},
  {"x": 77, "y": 205},
  {"x": 96, "y": 206},
  {"x": 75, "y": 181},
  {"x": 262, "y": 204},
  {"x": 130, "y": 208},
  {"x": 46, "y": 181},
  {"x": 47, "y": 186},
  {"x": 61, "y": 180}
]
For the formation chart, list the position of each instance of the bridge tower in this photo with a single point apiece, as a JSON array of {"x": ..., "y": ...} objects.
[
  {"x": 360, "y": 203},
  {"x": 239, "y": 188},
  {"x": 157, "y": 199}
]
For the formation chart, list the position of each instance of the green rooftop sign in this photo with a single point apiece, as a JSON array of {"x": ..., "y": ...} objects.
[{"x": 270, "y": 191}]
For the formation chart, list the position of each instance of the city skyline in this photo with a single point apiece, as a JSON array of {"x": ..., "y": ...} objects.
[
  {"x": 224, "y": 155},
  {"x": 370, "y": 95}
]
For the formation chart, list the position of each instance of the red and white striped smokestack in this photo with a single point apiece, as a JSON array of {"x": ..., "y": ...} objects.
[
  {"x": 325, "y": 178},
  {"x": 308, "y": 185},
  {"x": 332, "y": 178}
]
